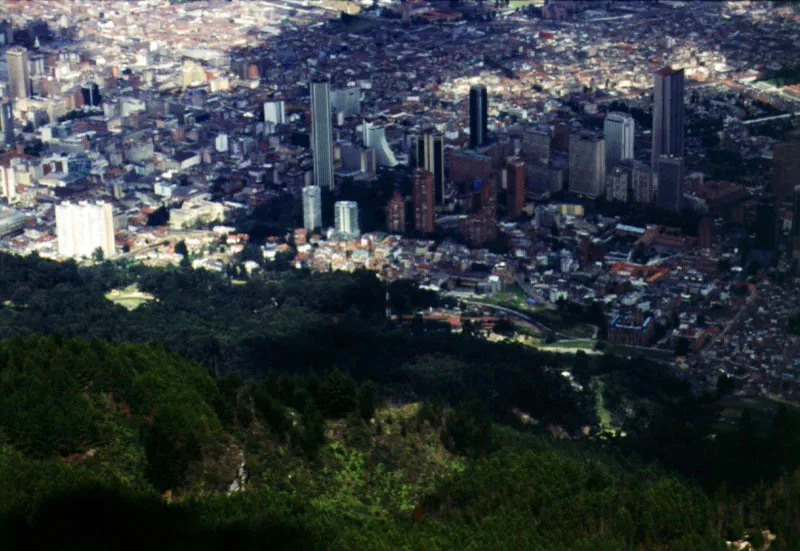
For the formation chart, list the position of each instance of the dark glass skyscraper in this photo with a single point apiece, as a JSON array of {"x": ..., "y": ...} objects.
[
  {"x": 667, "y": 115},
  {"x": 478, "y": 115}
]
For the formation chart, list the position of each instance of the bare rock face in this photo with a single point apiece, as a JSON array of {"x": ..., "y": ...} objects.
[{"x": 240, "y": 480}]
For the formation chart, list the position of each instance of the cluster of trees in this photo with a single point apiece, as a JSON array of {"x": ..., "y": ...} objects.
[{"x": 295, "y": 323}]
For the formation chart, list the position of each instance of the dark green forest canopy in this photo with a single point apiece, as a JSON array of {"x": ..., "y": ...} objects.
[{"x": 111, "y": 409}]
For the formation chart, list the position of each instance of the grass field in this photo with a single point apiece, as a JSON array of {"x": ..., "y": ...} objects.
[
  {"x": 513, "y": 297},
  {"x": 648, "y": 353},
  {"x": 564, "y": 322},
  {"x": 130, "y": 297},
  {"x": 603, "y": 415}
]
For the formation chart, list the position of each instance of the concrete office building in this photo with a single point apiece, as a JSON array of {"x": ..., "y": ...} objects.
[
  {"x": 617, "y": 184},
  {"x": 536, "y": 145},
  {"x": 587, "y": 164},
  {"x": 396, "y": 214},
  {"x": 423, "y": 197},
  {"x": 618, "y": 130},
  {"x": 19, "y": 78},
  {"x": 321, "y": 134},
  {"x": 83, "y": 228}
]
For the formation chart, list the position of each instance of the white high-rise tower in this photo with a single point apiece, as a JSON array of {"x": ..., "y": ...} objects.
[
  {"x": 312, "y": 207},
  {"x": 83, "y": 228},
  {"x": 346, "y": 218}
]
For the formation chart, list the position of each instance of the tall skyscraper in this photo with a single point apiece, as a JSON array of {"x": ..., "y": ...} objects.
[
  {"x": 6, "y": 122},
  {"x": 423, "y": 197},
  {"x": 429, "y": 154},
  {"x": 515, "y": 188},
  {"x": 587, "y": 164},
  {"x": 346, "y": 219},
  {"x": 478, "y": 115},
  {"x": 667, "y": 115},
  {"x": 19, "y": 78},
  {"x": 396, "y": 214},
  {"x": 83, "y": 228},
  {"x": 642, "y": 187},
  {"x": 321, "y": 134},
  {"x": 669, "y": 178},
  {"x": 312, "y": 207},
  {"x": 618, "y": 131}
]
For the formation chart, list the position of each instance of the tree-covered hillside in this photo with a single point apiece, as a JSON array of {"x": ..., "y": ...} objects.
[{"x": 287, "y": 412}]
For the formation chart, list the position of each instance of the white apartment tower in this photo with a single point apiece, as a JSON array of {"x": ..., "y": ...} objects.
[
  {"x": 346, "y": 218},
  {"x": 275, "y": 112},
  {"x": 312, "y": 207},
  {"x": 84, "y": 227}
]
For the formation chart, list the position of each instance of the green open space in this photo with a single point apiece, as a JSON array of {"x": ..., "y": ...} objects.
[
  {"x": 130, "y": 297},
  {"x": 513, "y": 297},
  {"x": 574, "y": 343},
  {"x": 603, "y": 415},
  {"x": 568, "y": 323}
]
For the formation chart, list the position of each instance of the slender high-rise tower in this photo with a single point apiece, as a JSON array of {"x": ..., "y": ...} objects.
[
  {"x": 6, "y": 121},
  {"x": 478, "y": 115},
  {"x": 423, "y": 201},
  {"x": 429, "y": 153},
  {"x": 667, "y": 115},
  {"x": 321, "y": 135},
  {"x": 312, "y": 208},
  {"x": 618, "y": 132},
  {"x": 19, "y": 77}
]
